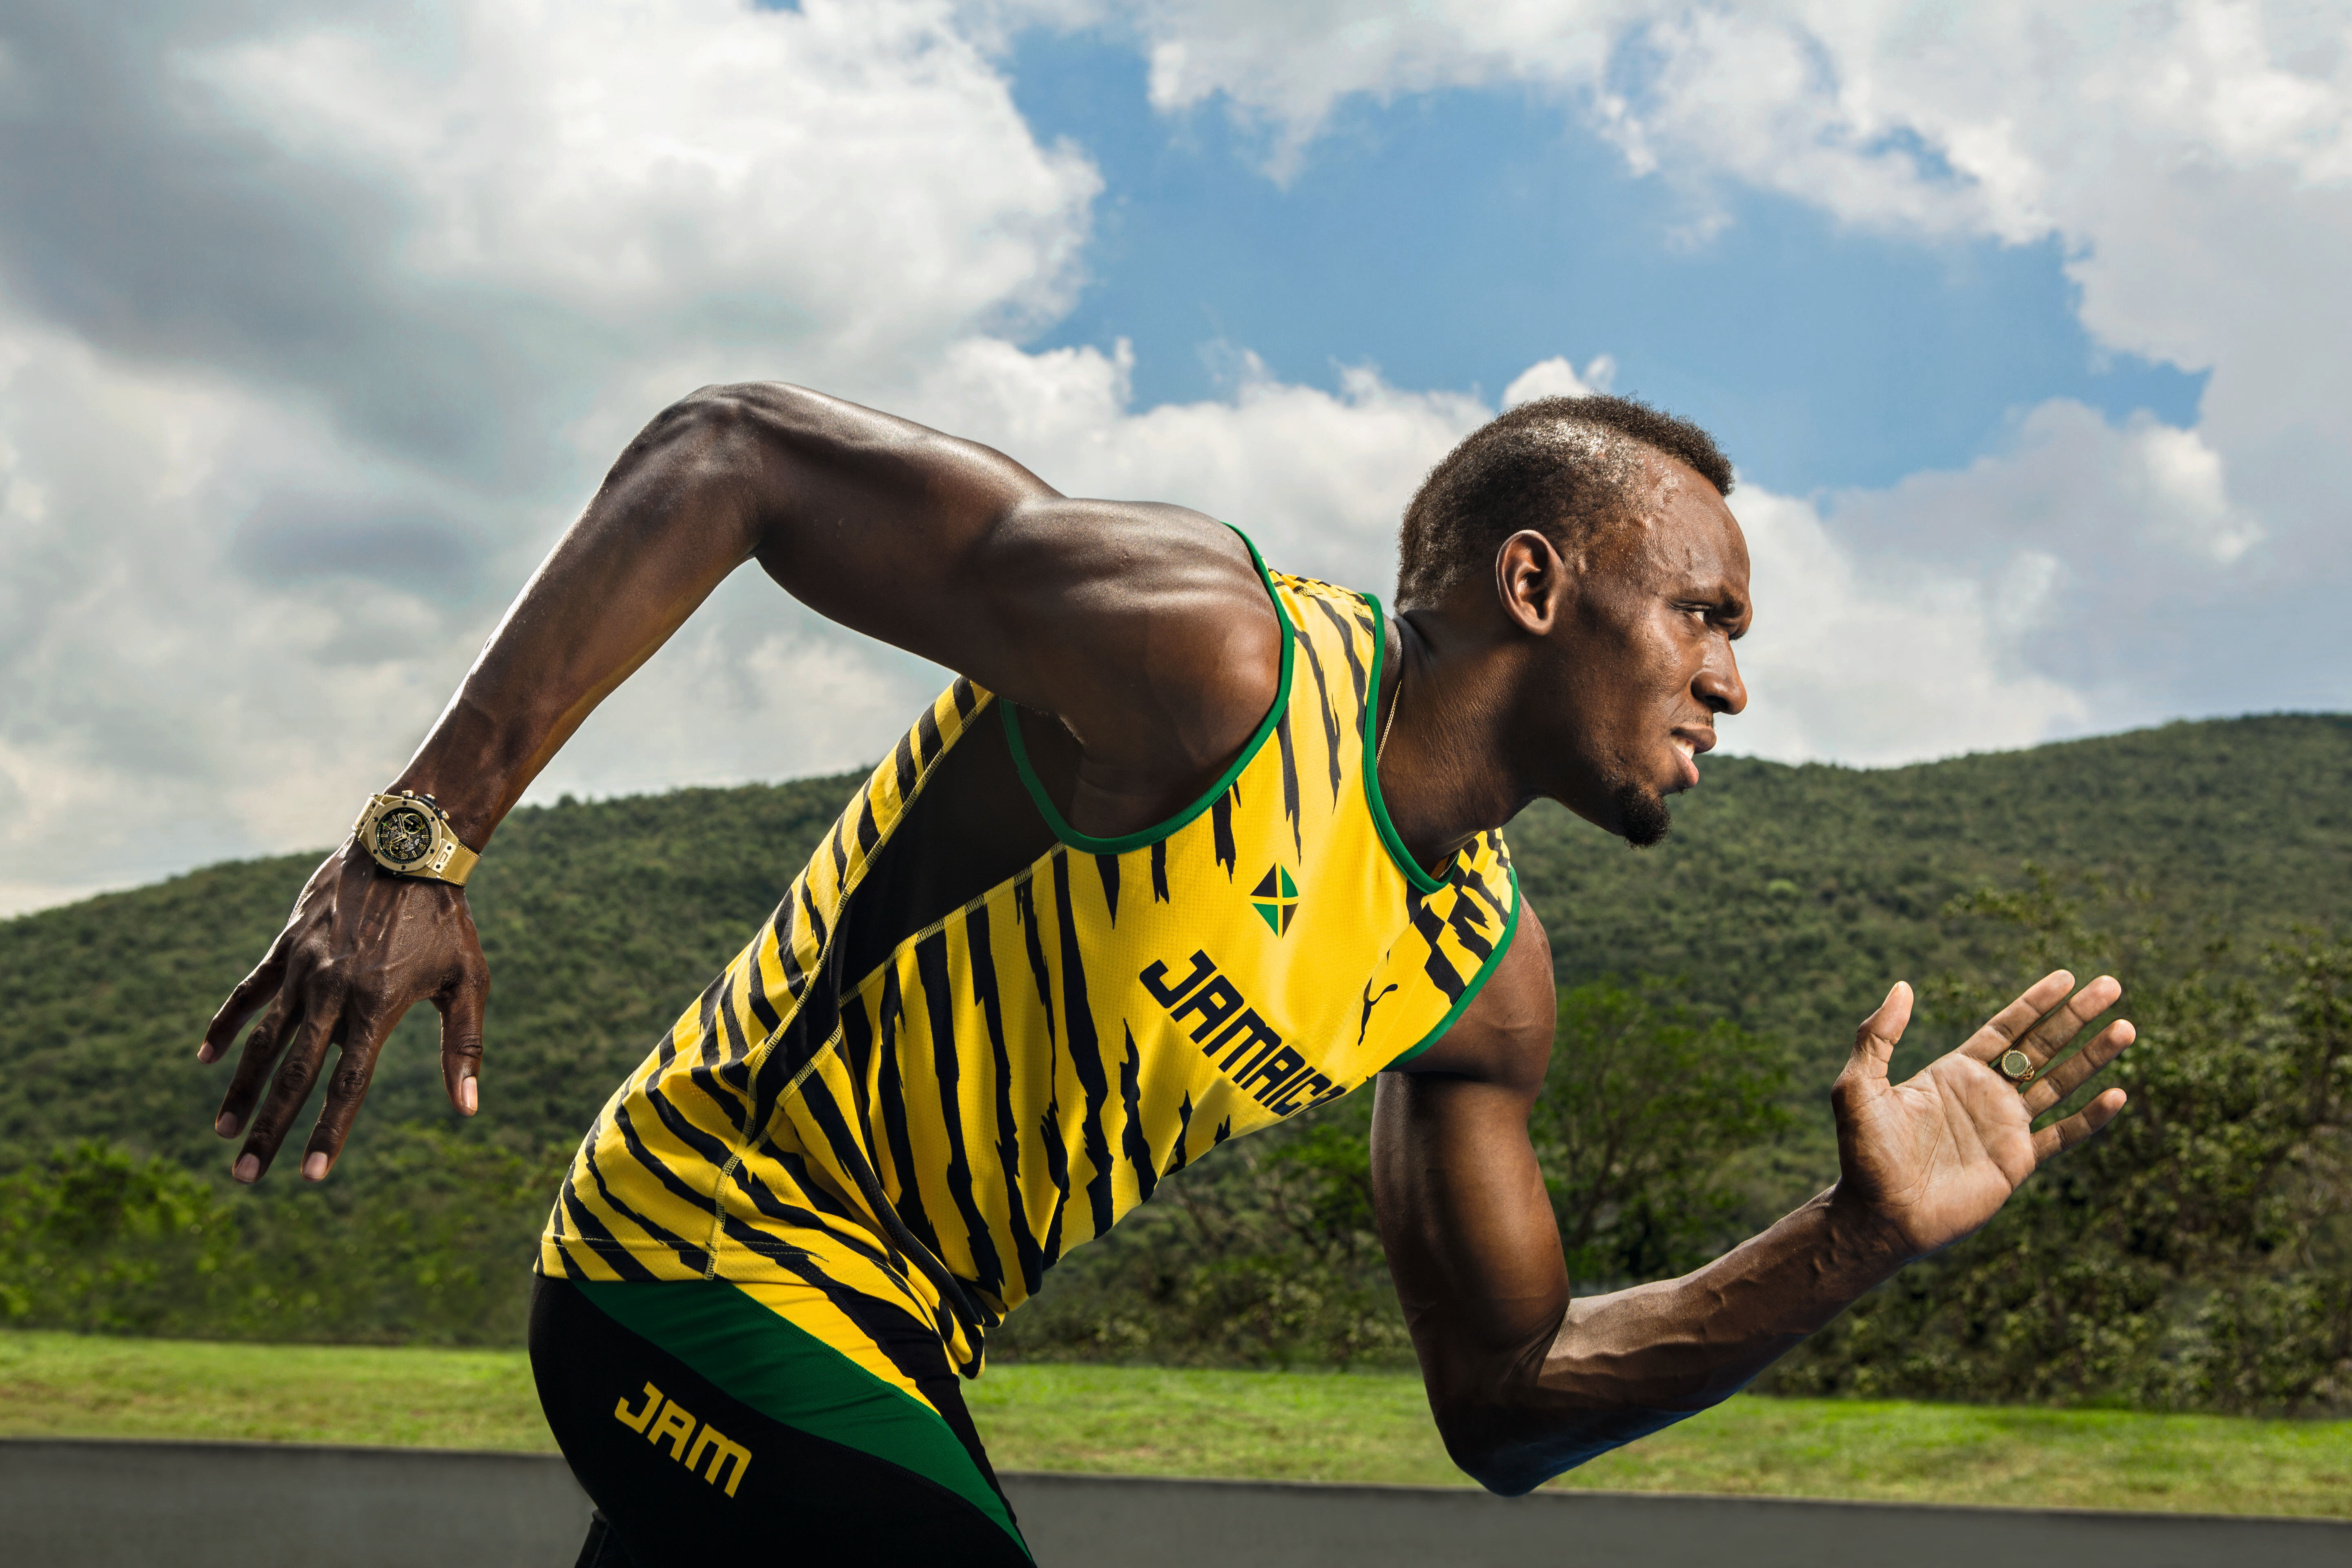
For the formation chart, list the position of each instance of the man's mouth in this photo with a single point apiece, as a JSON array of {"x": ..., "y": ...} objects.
[{"x": 1687, "y": 746}]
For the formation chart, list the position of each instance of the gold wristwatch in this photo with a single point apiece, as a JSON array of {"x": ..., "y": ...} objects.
[{"x": 410, "y": 835}]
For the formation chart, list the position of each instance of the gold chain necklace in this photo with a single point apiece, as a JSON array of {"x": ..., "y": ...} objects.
[{"x": 1389, "y": 728}]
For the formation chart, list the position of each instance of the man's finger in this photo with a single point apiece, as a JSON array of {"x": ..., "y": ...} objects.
[
  {"x": 247, "y": 1084},
  {"x": 461, "y": 1004},
  {"x": 365, "y": 1028},
  {"x": 2048, "y": 1039},
  {"x": 1874, "y": 1043},
  {"x": 289, "y": 1086},
  {"x": 2012, "y": 1023},
  {"x": 2070, "y": 1075},
  {"x": 252, "y": 994},
  {"x": 2065, "y": 1134}
]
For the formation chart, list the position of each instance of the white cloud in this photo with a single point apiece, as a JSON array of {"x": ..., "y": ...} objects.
[
  {"x": 2193, "y": 161},
  {"x": 317, "y": 323},
  {"x": 1316, "y": 478},
  {"x": 1859, "y": 656},
  {"x": 1874, "y": 662},
  {"x": 1555, "y": 377},
  {"x": 852, "y": 180},
  {"x": 2196, "y": 158},
  {"x": 754, "y": 687},
  {"x": 167, "y": 708},
  {"x": 1286, "y": 67},
  {"x": 2144, "y": 573}
]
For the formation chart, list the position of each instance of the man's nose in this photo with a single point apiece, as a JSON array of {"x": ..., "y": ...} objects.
[{"x": 1718, "y": 684}]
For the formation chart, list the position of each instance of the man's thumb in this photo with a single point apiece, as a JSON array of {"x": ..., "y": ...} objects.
[
  {"x": 461, "y": 1008},
  {"x": 1874, "y": 1043}
]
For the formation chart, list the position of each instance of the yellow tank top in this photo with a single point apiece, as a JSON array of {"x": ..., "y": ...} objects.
[{"x": 973, "y": 1037}]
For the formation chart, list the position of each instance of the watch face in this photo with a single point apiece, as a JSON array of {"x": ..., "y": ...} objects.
[{"x": 404, "y": 834}]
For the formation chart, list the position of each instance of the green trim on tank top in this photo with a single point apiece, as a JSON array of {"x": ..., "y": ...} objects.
[
  {"x": 1150, "y": 836},
  {"x": 1421, "y": 879},
  {"x": 1478, "y": 981}
]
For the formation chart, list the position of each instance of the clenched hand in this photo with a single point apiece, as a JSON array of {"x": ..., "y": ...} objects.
[{"x": 359, "y": 949}]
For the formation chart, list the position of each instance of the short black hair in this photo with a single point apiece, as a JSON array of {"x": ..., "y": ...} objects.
[{"x": 1561, "y": 466}]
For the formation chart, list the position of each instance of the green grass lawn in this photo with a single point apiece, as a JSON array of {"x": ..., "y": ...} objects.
[{"x": 1332, "y": 1427}]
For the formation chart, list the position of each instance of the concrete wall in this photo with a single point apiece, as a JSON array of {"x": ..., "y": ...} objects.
[{"x": 67, "y": 1503}]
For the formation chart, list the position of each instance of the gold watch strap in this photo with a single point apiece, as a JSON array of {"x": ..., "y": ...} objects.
[{"x": 453, "y": 863}]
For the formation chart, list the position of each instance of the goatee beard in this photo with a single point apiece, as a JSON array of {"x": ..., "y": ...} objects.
[{"x": 1641, "y": 814}]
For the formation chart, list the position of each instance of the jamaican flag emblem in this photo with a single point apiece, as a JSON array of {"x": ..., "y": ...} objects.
[{"x": 1276, "y": 899}]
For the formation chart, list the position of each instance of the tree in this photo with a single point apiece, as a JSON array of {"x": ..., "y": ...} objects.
[
  {"x": 1643, "y": 1115},
  {"x": 2197, "y": 1255},
  {"x": 97, "y": 1239}
]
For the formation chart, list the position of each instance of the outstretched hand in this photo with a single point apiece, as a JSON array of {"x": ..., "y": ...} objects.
[
  {"x": 1932, "y": 1158},
  {"x": 359, "y": 949}
]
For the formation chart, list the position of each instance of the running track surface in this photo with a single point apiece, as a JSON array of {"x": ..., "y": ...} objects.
[{"x": 92, "y": 1503}]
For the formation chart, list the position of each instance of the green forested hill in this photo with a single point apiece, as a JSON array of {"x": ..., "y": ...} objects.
[
  {"x": 1787, "y": 898},
  {"x": 1785, "y": 902},
  {"x": 599, "y": 921},
  {"x": 1791, "y": 897}
]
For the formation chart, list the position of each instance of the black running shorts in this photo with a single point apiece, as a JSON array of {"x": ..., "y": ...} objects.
[{"x": 708, "y": 1430}]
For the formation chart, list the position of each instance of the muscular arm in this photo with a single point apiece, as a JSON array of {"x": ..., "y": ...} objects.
[
  {"x": 1143, "y": 629},
  {"x": 1526, "y": 1381}
]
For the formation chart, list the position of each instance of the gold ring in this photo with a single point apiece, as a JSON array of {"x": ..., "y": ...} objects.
[{"x": 2016, "y": 1067}]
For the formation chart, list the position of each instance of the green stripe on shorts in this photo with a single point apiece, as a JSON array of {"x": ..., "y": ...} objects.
[{"x": 788, "y": 1375}]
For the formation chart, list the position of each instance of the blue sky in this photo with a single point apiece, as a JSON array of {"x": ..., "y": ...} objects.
[{"x": 1454, "y": 238}]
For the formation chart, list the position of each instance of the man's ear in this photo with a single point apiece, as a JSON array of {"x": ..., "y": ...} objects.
[{"x": 1532, "y": 582}]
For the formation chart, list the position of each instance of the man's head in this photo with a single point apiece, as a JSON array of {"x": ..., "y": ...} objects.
[{"x": 1589, "y": 535}]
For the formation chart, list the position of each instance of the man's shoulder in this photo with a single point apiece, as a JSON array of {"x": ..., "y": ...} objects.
[
  {"x": 1107, "y": 557},
  {"x": 1147, "y": 629}
]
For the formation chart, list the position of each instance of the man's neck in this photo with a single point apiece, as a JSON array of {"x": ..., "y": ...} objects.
[{"x": 1444, "y": 774}]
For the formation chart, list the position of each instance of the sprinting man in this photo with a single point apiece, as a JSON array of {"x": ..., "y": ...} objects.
[{"x": 1189, "y": 847}]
